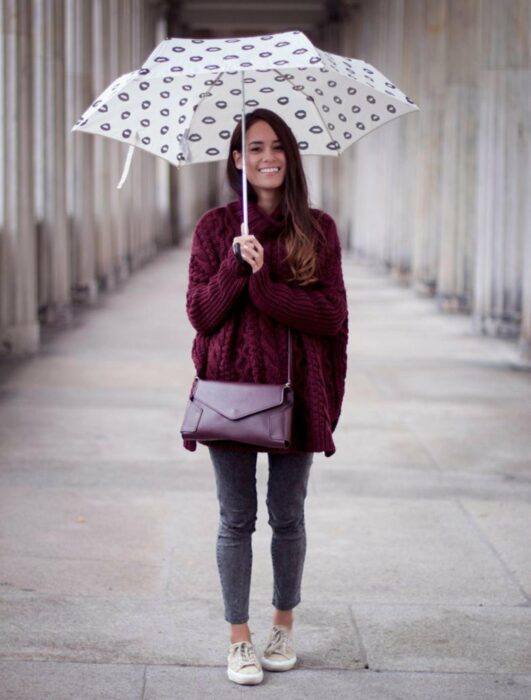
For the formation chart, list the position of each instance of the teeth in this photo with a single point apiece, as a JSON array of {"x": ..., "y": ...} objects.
[{"x": 269, "y": 170}]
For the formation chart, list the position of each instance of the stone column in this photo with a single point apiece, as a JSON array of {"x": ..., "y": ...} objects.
[
  {"x": 406, "y": 205},
  {"x": 330, "y": 166},
  {"x": 459, "y": 158},
  {"x": 390, "y": 158},
  {"x": 502, "y": 221},
  {"x": 50, "y": 163},
  {"x": 192, "y": 196},
  {"x": 141, "y": 238},
  {"x": 80, "y": 170},
  {"x": 105, "y": 178},
  {"x": 143, "y": 43},
  {"x": 430, "y": 96},
  {"x": 382, "y": 172},
  {"x": 525, "y": 330},
  {"x": 161, "y": 215},
  {"x": 128, "y": 53},
  {"x": 189, "y": 198},
  {"x": 19, "y": 328},
  {"x": 120, "y": 200}
]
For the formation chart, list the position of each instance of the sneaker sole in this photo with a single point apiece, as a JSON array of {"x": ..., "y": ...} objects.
[
  {"x": 278, "y": 665},
  {"x": 245, "y": 678}
]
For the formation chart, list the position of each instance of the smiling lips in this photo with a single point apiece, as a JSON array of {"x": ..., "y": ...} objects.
[{"x": 269, "y": 171}]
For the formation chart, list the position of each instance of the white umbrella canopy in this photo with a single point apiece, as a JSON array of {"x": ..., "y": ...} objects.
[{"x": 185, "y": 100}]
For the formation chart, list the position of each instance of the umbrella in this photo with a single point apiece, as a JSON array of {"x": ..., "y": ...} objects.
[{"x": 184, "y": 102}]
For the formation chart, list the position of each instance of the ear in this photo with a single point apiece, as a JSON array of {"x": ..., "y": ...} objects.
[{"x": 237, "y": 159}]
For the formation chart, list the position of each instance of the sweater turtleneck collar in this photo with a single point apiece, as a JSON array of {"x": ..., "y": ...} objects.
[{"x": 259, "y": 221}]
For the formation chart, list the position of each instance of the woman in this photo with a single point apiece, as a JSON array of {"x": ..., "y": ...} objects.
[{"x": 290, "y": 276}]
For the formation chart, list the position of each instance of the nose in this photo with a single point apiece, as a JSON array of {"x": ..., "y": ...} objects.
[{"x": 269, "y": 159}]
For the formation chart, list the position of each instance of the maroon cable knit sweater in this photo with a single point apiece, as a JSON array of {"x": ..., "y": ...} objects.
[{"x": 241, "y": 320}]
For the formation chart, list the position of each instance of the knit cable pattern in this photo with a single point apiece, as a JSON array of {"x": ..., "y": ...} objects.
[{"x": 241, "y": 319}]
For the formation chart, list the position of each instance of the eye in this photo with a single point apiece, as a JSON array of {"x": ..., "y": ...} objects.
[{"x": 280, "y": 148}]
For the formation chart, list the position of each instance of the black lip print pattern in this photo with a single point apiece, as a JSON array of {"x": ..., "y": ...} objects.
[{"x": 188, "y": 93}]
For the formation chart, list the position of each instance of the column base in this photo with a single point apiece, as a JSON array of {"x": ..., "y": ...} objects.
[
  {"x": 401, "y": 275},
  {"x": 424, "y": 287},
  {"x": 524, "y": 346},
  {"x": 497, "y": 327},
  {"x": 453, "y": 303},
  {"x": 19, "y": 341},
  {"x": 56, "y": 315},
  {"x": 85, "y": 293}
]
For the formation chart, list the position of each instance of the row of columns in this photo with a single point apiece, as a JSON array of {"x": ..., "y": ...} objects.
[
  {"x": 440, "y": 197},
  {"x": 67, "y": 233}
]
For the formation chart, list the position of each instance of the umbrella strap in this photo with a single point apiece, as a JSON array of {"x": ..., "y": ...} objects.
[{"x": 127, "y": 165}]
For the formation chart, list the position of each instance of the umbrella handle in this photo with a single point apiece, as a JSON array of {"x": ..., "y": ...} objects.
[{"x": 238, "y": 254}]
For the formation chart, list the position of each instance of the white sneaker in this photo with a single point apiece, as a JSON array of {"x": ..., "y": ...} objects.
[
  {"x": 242, "y": 664},
  {"x": 279, "y": 654}
]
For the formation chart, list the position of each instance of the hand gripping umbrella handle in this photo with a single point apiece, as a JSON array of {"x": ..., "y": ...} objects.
[{"x": 238, "y": 254}]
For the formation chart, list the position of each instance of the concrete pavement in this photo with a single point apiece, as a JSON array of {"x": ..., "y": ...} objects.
[{"x": 417, "y": 579}]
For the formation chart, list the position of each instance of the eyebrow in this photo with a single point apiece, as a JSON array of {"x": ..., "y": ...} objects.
[{"x": 261, "y": 142}]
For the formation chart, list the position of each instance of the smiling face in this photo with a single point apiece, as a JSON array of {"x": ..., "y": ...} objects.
[{"x": 265, "y": 158}]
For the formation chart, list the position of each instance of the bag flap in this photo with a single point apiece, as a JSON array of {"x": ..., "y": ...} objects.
[{"x": 238, "y": 400}]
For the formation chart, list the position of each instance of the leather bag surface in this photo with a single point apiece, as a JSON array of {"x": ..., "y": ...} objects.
[{"x": 256, "y": 414}]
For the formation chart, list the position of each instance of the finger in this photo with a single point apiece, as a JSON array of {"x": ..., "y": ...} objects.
[
  {"x": 248, "y": 254},
  {"x": 250, "y": 261},
  {"x": 244, "y": 239},
  {"x": 248, "y": 249}
]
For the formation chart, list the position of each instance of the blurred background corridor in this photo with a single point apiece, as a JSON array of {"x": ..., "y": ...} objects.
[{"x": 439, "y": 200}]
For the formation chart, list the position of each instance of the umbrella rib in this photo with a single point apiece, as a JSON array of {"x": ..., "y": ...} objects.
[{"x": 313, "y": 101}]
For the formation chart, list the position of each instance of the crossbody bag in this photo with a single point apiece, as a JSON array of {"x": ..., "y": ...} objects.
[{"x": 257, "y": 414}]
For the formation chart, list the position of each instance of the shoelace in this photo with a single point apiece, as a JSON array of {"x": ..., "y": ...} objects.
[
  {"x": 247, "y": 654},
  {"x": 279, "y": 641}
]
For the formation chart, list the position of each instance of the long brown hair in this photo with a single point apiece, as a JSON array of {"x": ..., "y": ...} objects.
[{"x": 301, "y": 227}]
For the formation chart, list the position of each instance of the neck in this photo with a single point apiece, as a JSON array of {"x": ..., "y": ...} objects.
[{"x": 268, "y": 201}]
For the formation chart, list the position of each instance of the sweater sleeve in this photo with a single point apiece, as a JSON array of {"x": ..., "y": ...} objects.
[
  {"x": 320, "y": 311},
  {"x": 215, "y": 277}
]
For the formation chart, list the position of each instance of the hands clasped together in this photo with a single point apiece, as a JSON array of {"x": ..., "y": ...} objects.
[{"x": 250, "y": 249}]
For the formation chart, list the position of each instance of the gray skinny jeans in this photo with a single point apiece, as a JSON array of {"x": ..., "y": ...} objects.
[{"x": 236, "y": 490}]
